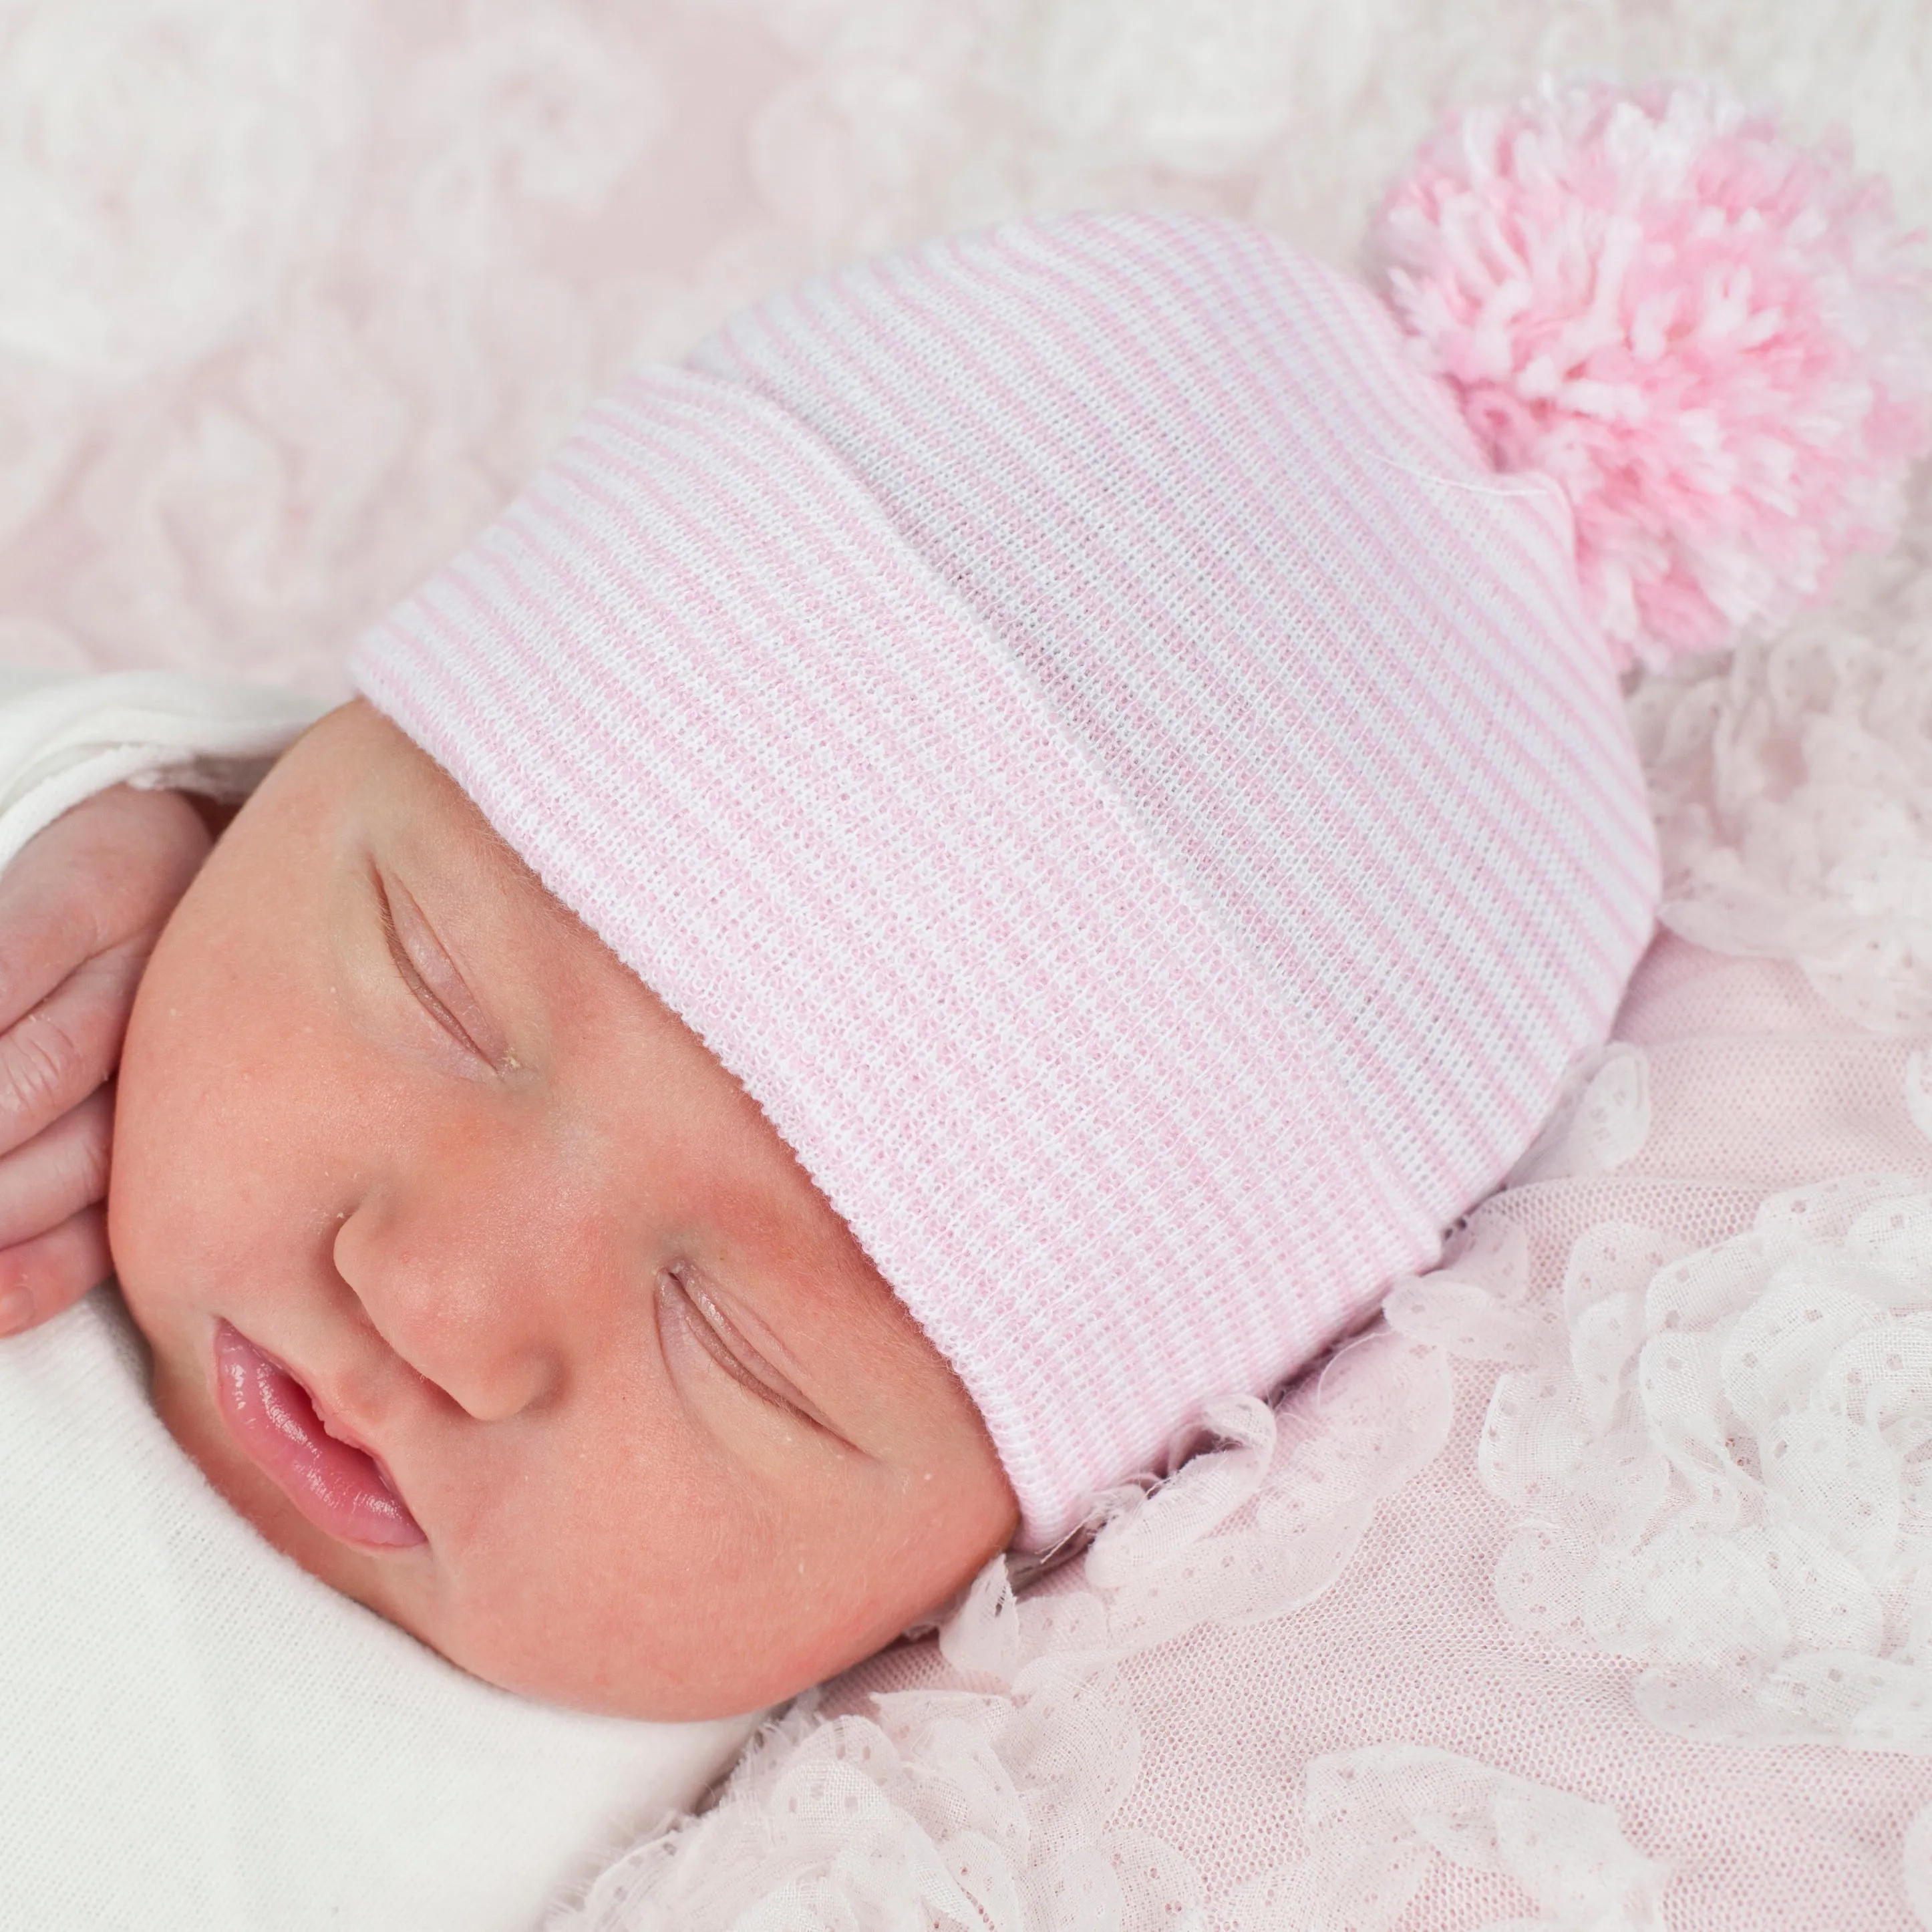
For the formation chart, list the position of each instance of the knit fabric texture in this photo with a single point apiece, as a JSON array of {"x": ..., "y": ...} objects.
[{"x": 1070, "y": 718}]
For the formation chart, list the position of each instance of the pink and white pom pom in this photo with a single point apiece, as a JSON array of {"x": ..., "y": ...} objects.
[{"x": 1710, "y": 339}]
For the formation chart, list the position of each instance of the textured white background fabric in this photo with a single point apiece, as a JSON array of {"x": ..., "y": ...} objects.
[{"x": 299, "y": 292}]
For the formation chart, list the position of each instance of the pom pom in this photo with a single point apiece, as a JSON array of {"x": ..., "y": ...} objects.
[{"x": 1710, "y": 339}]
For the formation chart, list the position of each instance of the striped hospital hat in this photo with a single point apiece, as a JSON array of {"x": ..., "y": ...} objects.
[{"x": 1073, "y": 718}]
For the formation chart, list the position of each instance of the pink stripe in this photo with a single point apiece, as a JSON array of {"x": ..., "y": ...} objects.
[
  {"x": 1418, "y": 801},
  {"x": 1375, "y": 391},
  {"x": 990, "y": 381}
]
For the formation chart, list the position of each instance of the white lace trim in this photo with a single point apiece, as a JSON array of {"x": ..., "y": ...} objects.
[
  {"x": 1601, "y": 1120},
  {"x": 1722, "y": 1459},
  {"x": 1377, "y": 1820},
  {"x": 1792, "y": 783}
]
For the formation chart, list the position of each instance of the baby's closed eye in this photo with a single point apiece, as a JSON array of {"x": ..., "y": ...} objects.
[
  {"x": 689, "y": 1312},
  {"x": 425, "y": 967}
]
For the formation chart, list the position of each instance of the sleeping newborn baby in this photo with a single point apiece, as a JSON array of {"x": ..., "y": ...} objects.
[
  {"x": 981, "y": 864},
  {"x": 516, "y": 1320}
]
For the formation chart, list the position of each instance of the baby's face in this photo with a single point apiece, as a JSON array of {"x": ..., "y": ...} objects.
[{"x": 481, "y": 1288}]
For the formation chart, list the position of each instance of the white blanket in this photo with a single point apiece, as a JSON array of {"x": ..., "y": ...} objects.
[{"x": 194, "y": 1734}]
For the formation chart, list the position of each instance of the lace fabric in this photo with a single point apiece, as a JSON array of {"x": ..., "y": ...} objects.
[
  {"x": 1716, "y": 1462},
  {"x": 1793, "y": 782}
]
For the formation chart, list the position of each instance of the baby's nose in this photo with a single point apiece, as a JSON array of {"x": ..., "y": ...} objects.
[{"x": 459, "y": 1306}]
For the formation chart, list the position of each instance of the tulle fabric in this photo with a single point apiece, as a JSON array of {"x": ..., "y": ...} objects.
[{"x": 1792, "y": 784}]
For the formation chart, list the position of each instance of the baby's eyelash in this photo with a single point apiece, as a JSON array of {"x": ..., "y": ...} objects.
[
  {"x": 719, "y": 1337},
  {"x": 412, "y": 975},
  {"x": 446, "y": 1009}
]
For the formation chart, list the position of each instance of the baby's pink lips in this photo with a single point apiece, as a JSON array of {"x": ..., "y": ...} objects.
[{"x": 339, "y": 1486}]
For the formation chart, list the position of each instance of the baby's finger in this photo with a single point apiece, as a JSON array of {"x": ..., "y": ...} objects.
[
  {"x": 53, "y": 1057},
  {"x": 47, "y": 929},
  {"x": 62, "y": 1170},
  {"x": 106, "y": 871},
  {"x": 41, "y": 1277}
]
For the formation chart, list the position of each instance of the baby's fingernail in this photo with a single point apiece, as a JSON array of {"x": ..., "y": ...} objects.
[{"x": 17, "y": 1310}]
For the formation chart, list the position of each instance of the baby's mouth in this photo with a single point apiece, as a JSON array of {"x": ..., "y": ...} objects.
[{"x": 341, "y": 1489}]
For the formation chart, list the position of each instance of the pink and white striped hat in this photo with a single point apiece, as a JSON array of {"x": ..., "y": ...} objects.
[{"x": 1073, "y": 720}]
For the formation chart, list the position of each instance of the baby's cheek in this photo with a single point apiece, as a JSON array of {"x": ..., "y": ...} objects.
[
  {"x": 201, "y": 1217},
  {"x": 180, "y": 1186},
  {"x": 158, "y": 1174},
  {"x": 635, "y": 1578}
]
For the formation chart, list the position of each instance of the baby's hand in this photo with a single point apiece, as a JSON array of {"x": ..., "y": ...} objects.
[{"x": 80, "y": 910}]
